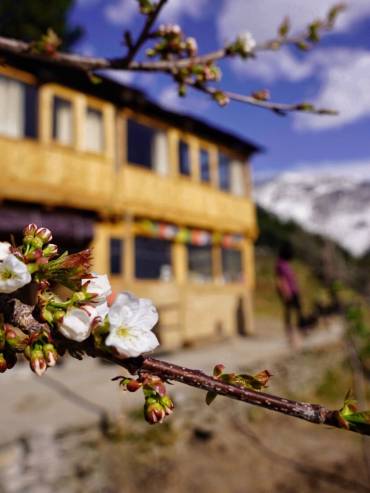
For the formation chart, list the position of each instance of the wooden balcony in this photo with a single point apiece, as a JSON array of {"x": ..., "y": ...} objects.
[
  {"x": 54, "y": 175},
  {"x": 182, "y": 201}
]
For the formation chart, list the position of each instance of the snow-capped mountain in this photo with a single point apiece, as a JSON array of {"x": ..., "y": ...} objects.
[{"x": 334, "y": 202}]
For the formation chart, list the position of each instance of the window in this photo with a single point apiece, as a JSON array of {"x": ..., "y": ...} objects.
[
  {"x": 147, "y": 147},
  {"x": 94, "y": 130},
  {"x": 152, "y": 258},
  {"x": 116, "y": 256},
  {"x": 224, "y": 171},
  {"x": 205, "y": 174},
  {"x": 200, "y": 263},
  {"x": 62, "y": 121},
  {"x": 184, "y": 158},
  {"x": 237, "y": 178},
  {"x": 232, "y": 265},
  {"x": 18, "y": 108}
]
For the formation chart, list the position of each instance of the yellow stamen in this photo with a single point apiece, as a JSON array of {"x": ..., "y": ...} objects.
[{"x": 123, "y": 332}]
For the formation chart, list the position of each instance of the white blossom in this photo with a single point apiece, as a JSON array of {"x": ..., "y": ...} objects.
[
  {"x": 76, "y": 323},
  {"x": 4, "y": 250},
  {"x": 98, "y": 285},
  {"x": 102, "y": 309},
  {"x": 13, "y": 274},
  {"x": 131, "y": 321},
  {"x": 247, "y": 42}
]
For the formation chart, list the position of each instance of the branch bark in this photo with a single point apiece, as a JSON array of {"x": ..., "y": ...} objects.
[
  {"x": 314, "y": 413},
  {"x": 91, "y": 64}
]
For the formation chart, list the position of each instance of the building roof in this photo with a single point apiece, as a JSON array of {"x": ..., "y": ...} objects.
[{"x": 49, "y": 70}]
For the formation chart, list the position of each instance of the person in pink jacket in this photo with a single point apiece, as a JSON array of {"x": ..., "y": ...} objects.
[{"x": 288, "y": 291}]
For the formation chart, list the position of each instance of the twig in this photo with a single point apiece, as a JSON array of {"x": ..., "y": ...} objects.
[
  {"x": 144, "y": 35},
  {"x": 91, "y": 64},
  {"x": 360, "y": 392},
  {"x": 279, "y": 108},
  {"x": 314, "y": 413}
]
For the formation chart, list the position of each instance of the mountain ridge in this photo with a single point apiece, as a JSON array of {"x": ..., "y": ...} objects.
[{"x": 334, "y": 203}]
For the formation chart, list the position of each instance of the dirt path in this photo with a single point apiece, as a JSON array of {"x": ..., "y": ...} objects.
[{"x": 27, "y": 400}]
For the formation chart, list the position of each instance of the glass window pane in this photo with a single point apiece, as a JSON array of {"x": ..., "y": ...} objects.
[
  {"x": 159, "y": 152},
  {"x": 11, "y": 107},
  {"x": 184, "y": 158},
  {"x": 62, "y": 121},
  {"x": 237, "y": 178},
  {"x": 224, "y": 171},
  {"x": 31, "y": 111},
  {"x": 204, "y": 166},
  {"x": 232, "y": 265},
  {"x": 139, "y": 144},
  {"x": 200, "y": 263},
  {"x": 94, "y": 130},
  {"x": 152, "y": 258},
  {"x": 116, "y": 255}
]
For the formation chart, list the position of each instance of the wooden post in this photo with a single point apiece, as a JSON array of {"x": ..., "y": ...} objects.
[
  {"x": 45, "y": 114},
  {"x": 249, "y": 276}
]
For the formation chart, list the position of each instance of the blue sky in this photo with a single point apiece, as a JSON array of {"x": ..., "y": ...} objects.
[{"x": 335, "y": 74}]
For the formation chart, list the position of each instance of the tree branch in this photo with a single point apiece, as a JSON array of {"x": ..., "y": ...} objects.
[
  {"x": 314, "y": 413},
  {"x": 91, "y": 64},
  {"x": 144, "y": 35}
]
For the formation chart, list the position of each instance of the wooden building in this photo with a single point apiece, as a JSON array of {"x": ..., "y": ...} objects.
[{"x": 163, "y": 198}]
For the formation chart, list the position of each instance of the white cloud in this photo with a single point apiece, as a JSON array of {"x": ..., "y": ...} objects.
[
  {"x": 343, "y": 74},
  {"x": 124, "y": 11},
  {"x": 121, "y": 12},
  {"x": 345, "y": 87},
  {"x": 272, "y": 66},
  {"x": 262, "y": 17},
  {"x": 121, "y": 76},
  {"x": 169, "y": 98}
]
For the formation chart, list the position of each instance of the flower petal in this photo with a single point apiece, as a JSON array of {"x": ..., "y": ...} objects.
[
  {"x": 4, "y": 249},
  {"x": 76, "y": 324},
  {"x": 13, "y": 274},
  {"x": 98, "y": 285},
  {"x": 130, "y": 311},
  {"x": 134, "y": 343}
]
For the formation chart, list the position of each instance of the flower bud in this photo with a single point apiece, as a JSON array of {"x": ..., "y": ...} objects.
[
  {"x": 30, "y": 230},
  {"x": 167, "y": 404},
  {"x": 133, "y": 385},
  {"x": 153, "y": 412},
  {"x": 47, "y": 315},
  {"x": 15, "y": 338},
  {"x": 218, "y": 370},
  {"x": 44, "y": 234},
  {"x": 50, "y": 251},
  {"x": 50, "y": 354},
  {"x": 3, "y": 364},
  {"x": 35, "y": 254},
  {"x": 27, "y": 352},
  {"x": 191, "y": 46},
  {"x": 38, "y": 363},
  {"x": 58, "y": 316}
]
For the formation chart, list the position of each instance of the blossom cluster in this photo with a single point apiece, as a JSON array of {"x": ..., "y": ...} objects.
[
  {"x": 79, "y": 314},
  {"x": 172, "y": 42},
  {"x": 158, "y": 404}
]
